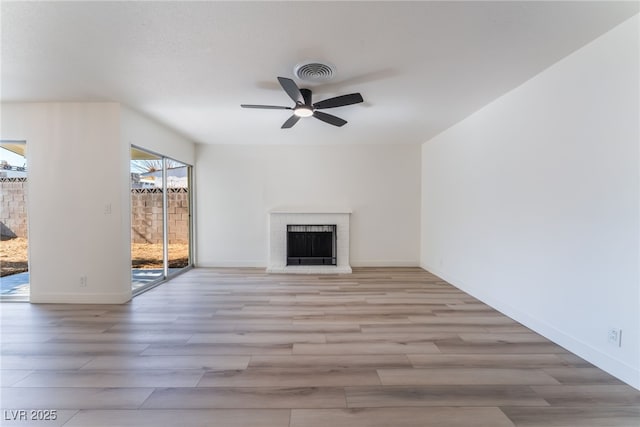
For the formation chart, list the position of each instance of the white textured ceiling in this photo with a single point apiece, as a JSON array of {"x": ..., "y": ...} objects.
[{"x": 420, "y": 66}]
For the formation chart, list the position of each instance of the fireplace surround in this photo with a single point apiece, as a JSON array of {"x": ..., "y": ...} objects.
[{"x": 317, "y": 221}]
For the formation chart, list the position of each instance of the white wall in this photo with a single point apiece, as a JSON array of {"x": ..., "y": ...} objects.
[
  {"x": 146, "y": 133},
  {"x": 532, "y": 203},
  {"x": 77, "y": 165},
  {"x": 239, "y": 185}
]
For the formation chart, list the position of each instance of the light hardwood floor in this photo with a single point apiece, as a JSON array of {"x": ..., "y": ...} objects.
[{"x": 237, "y": 347}]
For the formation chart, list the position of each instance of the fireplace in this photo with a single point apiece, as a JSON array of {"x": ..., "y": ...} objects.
[
  {"x": 335, "y": 261},
  {"x": 311, "y": 244}
]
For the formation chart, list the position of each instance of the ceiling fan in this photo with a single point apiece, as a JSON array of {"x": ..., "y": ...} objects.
[{"x": 304, "y": 107}]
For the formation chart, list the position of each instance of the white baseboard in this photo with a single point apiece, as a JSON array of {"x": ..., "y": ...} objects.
[
  {"x": 263, "y": 264},
  {"x": 384, "y": 263},
  {"x": 617, "y": 368},
  {"x": 232, "y": 264}
]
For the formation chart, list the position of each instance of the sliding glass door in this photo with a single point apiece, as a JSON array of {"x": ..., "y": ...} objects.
[
  {"x": 14, "y": 242},
  {"x": 160, "y": 218}
]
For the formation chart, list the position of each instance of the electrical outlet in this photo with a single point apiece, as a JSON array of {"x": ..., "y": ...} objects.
[
  {"x": 614, "y": 337},
  {"x": 83, "y": 281},
  {"x": 107, "y": 209}
]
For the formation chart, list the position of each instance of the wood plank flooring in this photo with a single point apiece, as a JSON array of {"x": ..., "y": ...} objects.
[{"x": 237, "y": 347}]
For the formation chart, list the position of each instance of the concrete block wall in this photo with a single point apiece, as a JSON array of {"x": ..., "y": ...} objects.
[
  {"x": 146, "y": 215},
  {"x": 13, "y": 207},
  {"x": 146, "y": 212}
]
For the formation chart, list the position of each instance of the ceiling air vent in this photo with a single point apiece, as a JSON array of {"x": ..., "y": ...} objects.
[{"x": 313, "y": 71}]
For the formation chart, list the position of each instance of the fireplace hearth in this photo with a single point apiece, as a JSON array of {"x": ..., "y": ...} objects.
[{"x": 311, "y": 244}]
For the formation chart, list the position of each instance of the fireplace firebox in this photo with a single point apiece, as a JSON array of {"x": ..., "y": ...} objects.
[{"x": 311, "y": 245}]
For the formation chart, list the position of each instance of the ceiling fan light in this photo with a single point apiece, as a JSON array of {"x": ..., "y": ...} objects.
[{"x": 303, "y": 112}]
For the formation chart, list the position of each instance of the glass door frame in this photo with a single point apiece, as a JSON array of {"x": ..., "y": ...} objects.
[
  {"x": 166, "y": 274},
  {"x": 21, "y": 297}
]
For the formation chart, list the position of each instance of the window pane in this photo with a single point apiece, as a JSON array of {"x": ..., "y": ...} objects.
[{"x": 147, "y": 248}]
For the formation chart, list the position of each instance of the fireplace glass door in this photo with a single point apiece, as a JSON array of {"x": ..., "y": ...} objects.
[{"x": 311, "y": 245}]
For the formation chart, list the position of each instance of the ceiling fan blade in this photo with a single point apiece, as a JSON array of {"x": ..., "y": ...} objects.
[
  {"x": 328, "y": 118},
  {"x": 290, "y": 122},
  {"x": 266, "y": 107},
  {"x": 291, "y": 88},
  {"x": 306, "y": 95},
  {"x": 339, "y": 101}
]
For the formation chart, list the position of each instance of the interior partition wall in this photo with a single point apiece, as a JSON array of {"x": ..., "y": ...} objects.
[{"x": 161, "y": 224}]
